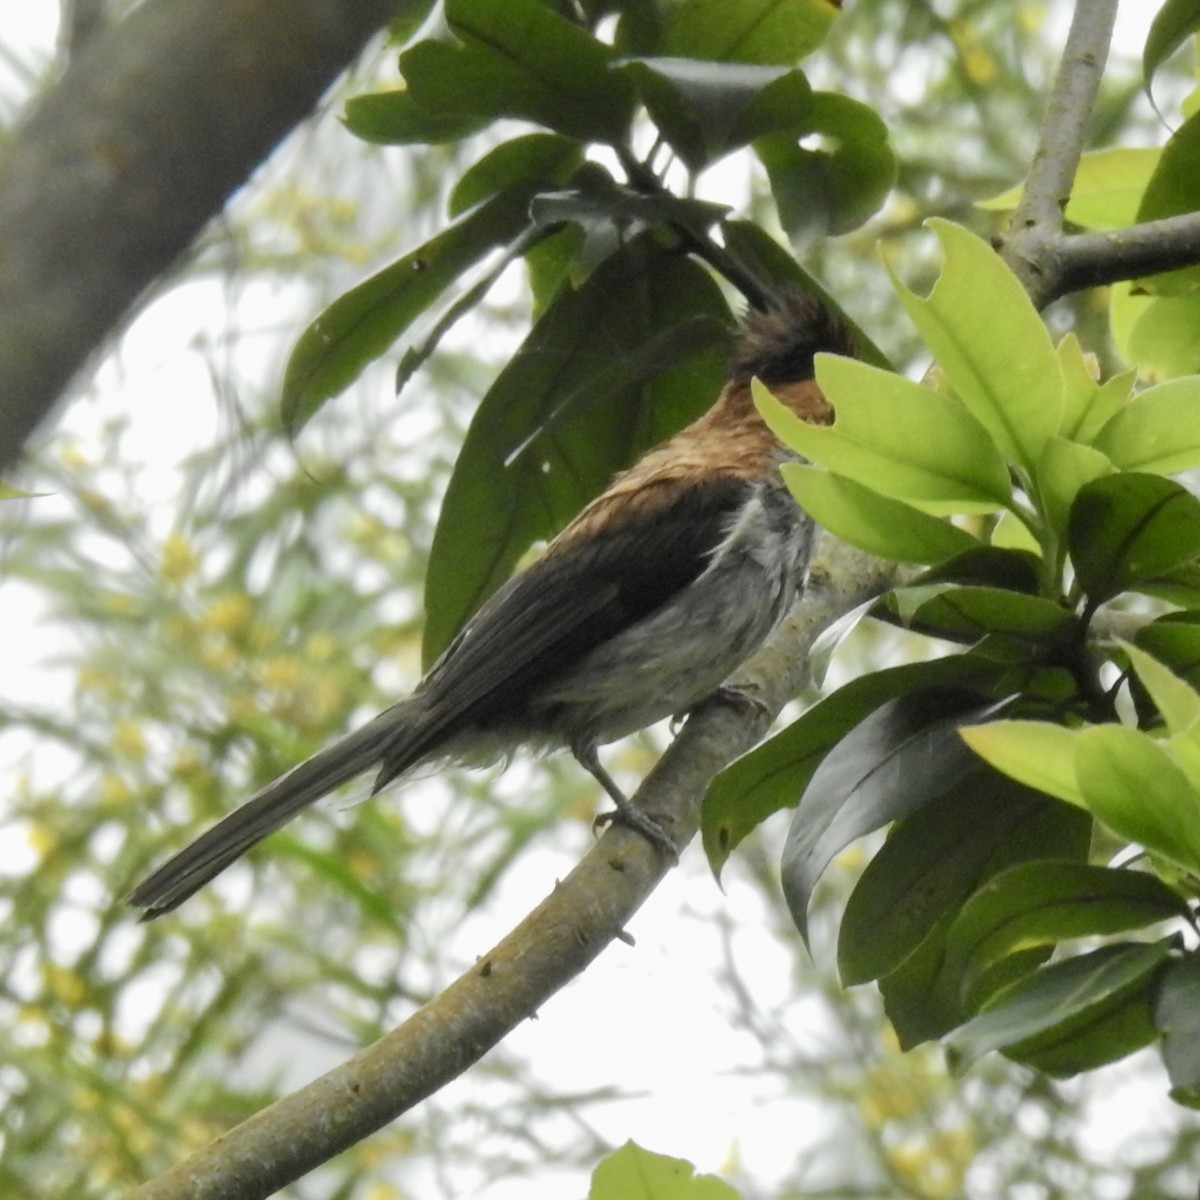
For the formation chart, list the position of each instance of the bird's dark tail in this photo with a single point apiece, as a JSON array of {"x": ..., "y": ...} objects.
[{"x": 270, "y": 809}]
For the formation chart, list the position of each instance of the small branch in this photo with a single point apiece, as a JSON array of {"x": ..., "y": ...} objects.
[
  {"x": 1091, "y": 259},
  {"x": 1039, "y": 215},
  {"x": 580, "y": 917}
]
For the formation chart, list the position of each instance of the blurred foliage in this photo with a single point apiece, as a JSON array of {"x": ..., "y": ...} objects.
[{"x": 210, "y": 639}]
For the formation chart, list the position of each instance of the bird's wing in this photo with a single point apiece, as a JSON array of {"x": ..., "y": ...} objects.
[{"x": 589, "y": 586}]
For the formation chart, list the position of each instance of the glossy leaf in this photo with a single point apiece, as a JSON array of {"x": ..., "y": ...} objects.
[
  {"x": 840, "y": 182},
  {"x": 520, "y": 59},
  {"x": 1062, "y": 470},
  {"x": 1177, "y": 1019},
  {"x": 1039, "y": 754},
  {"x": 364, "y": 323},
  {"x": 899, "y": 438},
  {"x": 964, "y": 614},
  {"x": 1157, "y": 431},
  {"x": 1069, "y": 1016},
  {"x": 937, "y": 858},
  {"x": 775, "y": 774},
  {"x": 1132, "y": 784},
  {"x": 992, "y": 345},
  {"x": 1175, "y": 643},
  {"x": 989, "y": 566},
  {"x": 747, "y": 31},
  {"x": 1130, "y": 527},
  {"x": 872, "y": 522},
  {"x": 610, "y": 368},
  {"x": 904, "y": 755}
]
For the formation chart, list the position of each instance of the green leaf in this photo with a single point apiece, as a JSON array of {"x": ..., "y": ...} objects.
[
  {"x": 1036, "y": 753},
  {"x": 774, "y": 775},
  {"x": 1157, "y": 431},
  {"x": 1174, "y": 23},
  {"x": 1174, "y": 189},
  {"x": 610, "y": 369},
  {"x": 840, "y": 182},
  {"x": 364, "y": 323},
  {"x": 1107, "y": 190},
  {"x": 631, "y": 1173},
  {"x": 1069, "y": 1016},
  {"x": 1079, "y": 387},
  {"x": 1111, "y": 396},
  {"x": 1177, "y": 1019},
  {"x": 1157, "y": 333},
  {"x": 964, "y": 614},
  {"x": 706, "y": 109},
  {"x": 748, "y": 31},
  {"x": 1176, "y": 642},
  {"x": 896, "y": 437},
  {"x": 1134, "y": 786},
  {"x": 624, "y": 209},
  {"x": 1177, "y": 702},
  {"x": 882, "y": 526},
  {"x": 395, "y": 119},
  {"x": 904, "y": 755},
  {"x": 993, "y": 346},
  {"x": 934, "y": 860},
  {"x": 543, "y": 160},
  {"x": 988, "y": 566},
  {"x": 1043, "y": 902},
  {"x": 521, "y": 59},
  {"x": 1062, "y": 470},
  {"x": 1127, "y": 528}
]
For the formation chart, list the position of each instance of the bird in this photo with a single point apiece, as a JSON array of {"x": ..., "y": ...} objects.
[{"x": 643, "y": 606}]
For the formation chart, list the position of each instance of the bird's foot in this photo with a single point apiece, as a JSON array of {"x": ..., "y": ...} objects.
[{"x": 643, "y": 823}]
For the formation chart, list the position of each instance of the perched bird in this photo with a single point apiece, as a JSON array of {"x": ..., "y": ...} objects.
[{"x": 638, "y": 610}]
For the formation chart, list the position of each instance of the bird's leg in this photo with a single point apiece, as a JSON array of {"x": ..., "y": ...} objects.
[{"x": 626, "y": 813}]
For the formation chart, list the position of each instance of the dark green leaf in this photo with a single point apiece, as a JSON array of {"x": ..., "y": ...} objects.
[
  {"x": 541, "y": 160},
  {"x": 757, "y": 31},
  {"x": 1177, "y": 1019},
  {"x": 1174, "y": 23},
  {"x": 935, "y": 859},
  {"x": 774, "y": 775},
  {"x": 521, "y": 59},
  {"x": 1175, "y": 641},
  {"x": 1072, "y": 1015},
  {"x": 1180, "y": 585},
  {"x": 989, "y": 566},
  {"x": 836, "y": 186},
  {"x": 608, "y": 370},
  {"x": 395, "y": 118},
  {"x": 364, "y": 323},
  {"x": 1128, "y": 528},
  {"x": 1174, "y": 189},
  {"x": 965, "y": 614},
  {"x": 904, "y": 755}
]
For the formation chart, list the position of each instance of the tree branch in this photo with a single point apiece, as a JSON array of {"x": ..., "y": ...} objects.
[
  {"x": 159, "y": 119},
  {"x": 1038, "y": 220},
  {"x": 576, "y": 921}
]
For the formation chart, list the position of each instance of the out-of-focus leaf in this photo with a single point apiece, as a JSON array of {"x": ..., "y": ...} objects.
[
  {"x": 631, "y": 1173},
  {"x": 775, "y": 774},
  {"x": 904, "y": 755},
  {"x": 542, "y": 159},
  {"x": 364, "y": 323},
  {"x": 619, "y": 208},
  {"x": 937, "y": 858},
  {"x": 1177, "y": 1019},
  {"x": 1157, "y": 431},
  {"x": 989, "y": 339},
  {"x": 748, "y": 31},
  {"x": 1174, "y": 189},
  {"x": 1107, "y": 190},
  {"x": 1069, "y": 1016},
  {"x": 835, "y": 186},
  {"x": 1130, "y": 527},
  {"x": 1157, "y": 333},
  {"x": 873, "y": 522},
  {"x": 394, "y": 118},
  {"x": 608, "y": 370},
  {"x": 520, "y": 59},
  {"x": 897, "y": 437}
]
